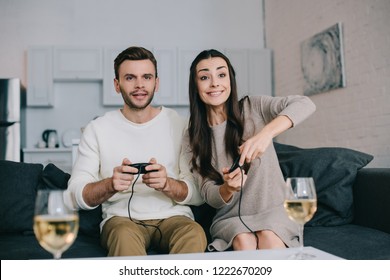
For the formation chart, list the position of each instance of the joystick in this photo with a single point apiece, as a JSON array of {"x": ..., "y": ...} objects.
[{"x": 141, "y": 168}]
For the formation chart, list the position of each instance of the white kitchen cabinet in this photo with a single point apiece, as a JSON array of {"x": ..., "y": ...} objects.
[
  {"x": 40, "y": 76},
  {"x": 167, "y": 73},
  {"x": 186, "y": 56},
  {"x": 240, "y": 60},
  {"x": 60, "y": 157},
  {"x": 260, "y": 72},
  {"x": 50, "y": 64},
  {"x": 110, "y": 96},
  {"x": 78, "y": 63},
  {"x": 253, "y": 70}
]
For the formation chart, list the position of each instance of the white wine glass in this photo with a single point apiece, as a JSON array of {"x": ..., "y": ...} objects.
[
  {"x": 55, "y": 224},
  {"x": 300, "y": 204}
]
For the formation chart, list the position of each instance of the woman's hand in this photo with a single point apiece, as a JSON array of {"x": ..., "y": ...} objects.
[
  {"x": 256, "y": 146},
  {"x": 233, "y": 182}
]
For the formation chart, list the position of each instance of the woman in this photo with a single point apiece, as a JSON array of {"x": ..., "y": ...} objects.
[{"x": 248, "y": 200}]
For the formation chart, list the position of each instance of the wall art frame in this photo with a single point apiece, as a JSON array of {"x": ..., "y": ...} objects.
[{"x": 322, "y": 61}]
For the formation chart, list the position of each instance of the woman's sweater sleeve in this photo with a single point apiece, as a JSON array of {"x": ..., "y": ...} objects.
[{"x": 296, "y": 107}]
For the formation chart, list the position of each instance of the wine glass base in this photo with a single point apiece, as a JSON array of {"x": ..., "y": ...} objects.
[{"x": 302, "y": 256}]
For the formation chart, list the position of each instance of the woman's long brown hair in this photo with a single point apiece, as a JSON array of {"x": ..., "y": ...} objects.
[{"x": 199, "y": 129}]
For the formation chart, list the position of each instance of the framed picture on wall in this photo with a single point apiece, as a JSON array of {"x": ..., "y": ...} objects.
[{"x": 322, "y": 61}]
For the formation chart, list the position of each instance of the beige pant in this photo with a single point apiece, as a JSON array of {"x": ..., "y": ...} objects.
[{"x": 178, "y": 234}]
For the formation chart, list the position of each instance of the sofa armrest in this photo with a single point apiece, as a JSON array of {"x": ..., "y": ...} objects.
[{"x": 371, "y": 194}]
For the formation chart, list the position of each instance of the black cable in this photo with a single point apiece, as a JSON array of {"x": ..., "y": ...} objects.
[
  {"x": 129, "y": 212},
  {"x": 239, "y": 209}
]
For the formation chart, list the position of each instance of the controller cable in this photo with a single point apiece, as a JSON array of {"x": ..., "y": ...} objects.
[
  {"x": 239, "y": 208},
  {"x": 128, "y": 209}
]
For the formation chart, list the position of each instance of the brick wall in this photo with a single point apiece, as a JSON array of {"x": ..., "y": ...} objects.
[{"x": 357, "y": 116}]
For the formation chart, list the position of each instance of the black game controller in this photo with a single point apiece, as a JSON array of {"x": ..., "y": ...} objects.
[
  {"x": 141, "y": 168},
  {"x": 235, "y": 165}
]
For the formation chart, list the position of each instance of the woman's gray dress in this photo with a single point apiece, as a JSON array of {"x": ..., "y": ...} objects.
[{"x": 263, "y": 192}]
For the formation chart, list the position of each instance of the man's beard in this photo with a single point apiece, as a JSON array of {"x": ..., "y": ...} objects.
[{"x": 127, "y": 98}]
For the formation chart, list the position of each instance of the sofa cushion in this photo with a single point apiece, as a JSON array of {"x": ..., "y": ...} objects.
[
  {"x": 54, "y": 178},
  {"x": 18, "y": 187},
  {"x": 333, "y": 170},
  {"x": 350, "y": 241},
  {"x": 26, "y": 246},
  {"x": 90, "y": 221}
]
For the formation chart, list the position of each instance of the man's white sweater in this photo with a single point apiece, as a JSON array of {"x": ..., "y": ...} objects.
[{"x": 107, "y": 140}]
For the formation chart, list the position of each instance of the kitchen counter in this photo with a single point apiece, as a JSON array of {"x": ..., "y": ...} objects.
[
  {"x": 61, "y": 157},
  {"x": 47, "y": 150}
]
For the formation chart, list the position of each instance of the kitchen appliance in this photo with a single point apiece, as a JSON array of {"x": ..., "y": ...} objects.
[
  {"x": 12, "y": 99},
  {"x": 51, "y": 138}
]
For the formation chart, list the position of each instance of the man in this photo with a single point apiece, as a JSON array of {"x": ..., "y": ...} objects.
[{"x": 147, "y": 210}]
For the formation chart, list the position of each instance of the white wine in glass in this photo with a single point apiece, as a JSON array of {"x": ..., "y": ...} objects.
[
  {"x": 55, "y": 225},
  {"x": 300, "y": 204}
]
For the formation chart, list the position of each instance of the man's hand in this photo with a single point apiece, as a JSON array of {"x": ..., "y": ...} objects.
[
  {"x": 121, "y": 177},
  {"x": 156, "y": 179}
]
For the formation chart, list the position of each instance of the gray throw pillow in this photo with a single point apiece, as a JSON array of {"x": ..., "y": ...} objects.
[
  {"x": 18, "y": 188},
  {"x": 54, "y": 178},
  {"x": 333, "y": 170}
]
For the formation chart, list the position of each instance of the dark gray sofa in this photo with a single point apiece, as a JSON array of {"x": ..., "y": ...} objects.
[{"x": 352, "y": 220}]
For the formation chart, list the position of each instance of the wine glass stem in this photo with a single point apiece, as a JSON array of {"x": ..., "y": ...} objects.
[
  {"x": 57, "y": 255},
  {"x": 300, "y": 238}
]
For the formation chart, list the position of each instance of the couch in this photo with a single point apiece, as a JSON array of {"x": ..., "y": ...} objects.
[{"x": 352, "y": 220}]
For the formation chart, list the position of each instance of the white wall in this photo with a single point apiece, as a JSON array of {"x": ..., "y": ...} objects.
[
  {"x": 357, "y": 116},
  {"x": 155, "y": 23}
]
